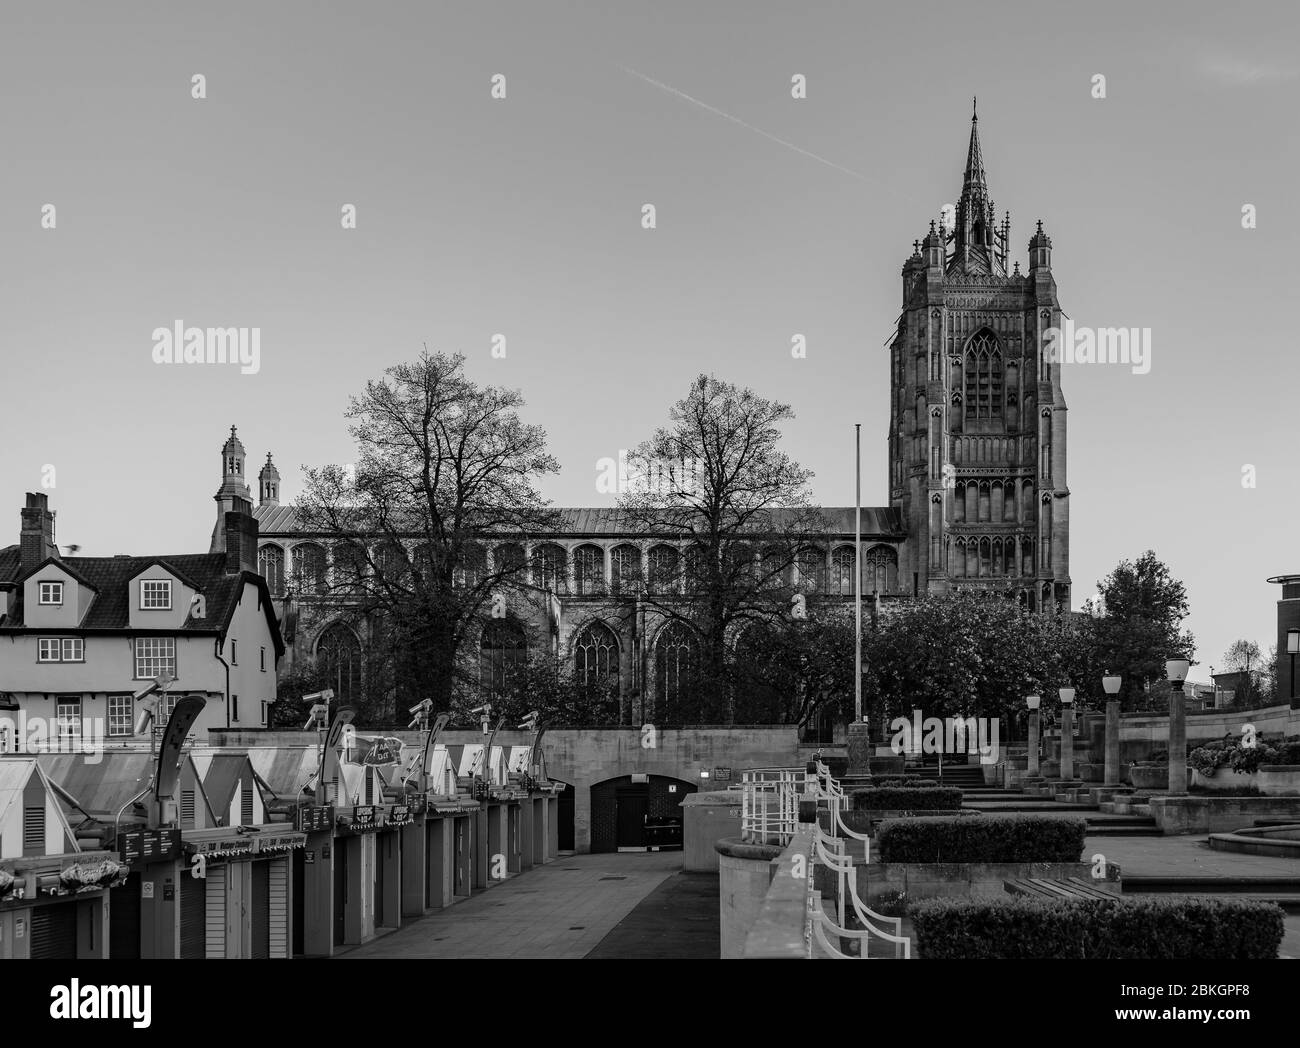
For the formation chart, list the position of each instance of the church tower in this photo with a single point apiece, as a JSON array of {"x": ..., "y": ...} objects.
[
  {"x": 268, "y": 484},
  {"x": 977, "y": 418},
  {"x": 233, "y": 496}
]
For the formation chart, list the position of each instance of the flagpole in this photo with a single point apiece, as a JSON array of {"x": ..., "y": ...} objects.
[{"x": 857, "y": 579}]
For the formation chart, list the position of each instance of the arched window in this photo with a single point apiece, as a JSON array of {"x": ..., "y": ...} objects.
[
  {"x": 338, "y": 652},
  {"x": 392, "y": 566},
  {"x": 774, "y": 567},
  {"x": 677, "y": 656},
  {"x": 696, "y": 569},
  {"x": 508, "y": 558},
  {"x": 739, "y": 561},
  {"x": 351, "y": 568},
  {"x": 550, "y": 570},
  {"x": 473, "y": 564},
  {"x": 842, "y": 561},
  {"x": 270, "y": 564},
  {"x": 881, "y": 563},
  {"x": 309, "y": 568},
  {"x": 595, "y": 658},
  {"x": 589, "y": 570},
  {"x": 625, "y": 568},
  {"x": 664, "y": 565},
  {"x": 983, "y": 377},
  {"x": 812, "y": 569},
  {"x": 503, "y": 651}
]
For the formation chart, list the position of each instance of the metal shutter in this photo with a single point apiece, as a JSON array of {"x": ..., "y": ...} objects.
[
  {"x": 215, "y": 945},
  {"x": 261, "y": 912},
  {"x": 124, "y": 921},
  {"x": 279, "y": 905},
  {"x": 193, "y": 919},
  {"x": 54, "y": 932}
]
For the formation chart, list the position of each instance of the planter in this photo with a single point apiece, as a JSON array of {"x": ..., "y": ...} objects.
[
  {"x": 1049, "y": 769},
  {"x": 1224, "y": 779},
  {"x": 1149, "y": 776},
  {"x": 1089, "y": 772},
  {"x": 967, "y": 879},
  {"x": 1279, "y": 780}
]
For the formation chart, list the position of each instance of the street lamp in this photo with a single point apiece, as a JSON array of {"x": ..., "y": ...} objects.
[
  {"x": 1110, "y": 683},
  {"x": 1032, "y": 702},
  {"x": 1067, "y": 733},
  {"x": 1176, "y": 671}
]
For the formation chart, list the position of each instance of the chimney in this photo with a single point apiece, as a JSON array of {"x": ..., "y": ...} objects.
[
  {"x": 36, "y": 540},
  {"x": 241, "y": 538}
]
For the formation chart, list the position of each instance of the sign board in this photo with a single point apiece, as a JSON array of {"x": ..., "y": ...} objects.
[
  {"x": 722, "y": 773},
  {"x": 400, "y": 815},
  {"x": 315, "y": 819},
  {"x": 146, "y": 889},
  {"x": 273, "y": 842},
  {"x": 222, "y": 848},
  {"x": 136, "y": 847},
  {"x": 640, "y": 777}
]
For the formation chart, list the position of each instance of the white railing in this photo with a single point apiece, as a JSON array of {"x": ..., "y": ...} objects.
[{"x": 769, "y": 804}]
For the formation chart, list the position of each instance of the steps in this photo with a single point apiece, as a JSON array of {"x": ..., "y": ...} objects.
[{"x": 1103, "y": 820}]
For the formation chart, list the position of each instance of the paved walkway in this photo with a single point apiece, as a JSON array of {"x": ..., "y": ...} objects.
[
  {"x": 677, "y": 921},
  {"x": 561, "y": 910}
]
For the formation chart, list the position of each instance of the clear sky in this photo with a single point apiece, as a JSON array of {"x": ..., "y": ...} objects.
[{"x": 775, "y": 216}]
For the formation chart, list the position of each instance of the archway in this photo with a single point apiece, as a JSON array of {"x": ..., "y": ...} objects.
[
  {"x": 565, "y": 817},
  {"x": 638, "y": 813}
]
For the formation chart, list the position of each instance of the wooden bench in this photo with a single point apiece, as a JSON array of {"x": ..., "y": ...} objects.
[{"x": 1041, "y": 888}]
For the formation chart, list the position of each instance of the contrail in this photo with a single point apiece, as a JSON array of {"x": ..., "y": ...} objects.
[{"x": 737, "y": 120}]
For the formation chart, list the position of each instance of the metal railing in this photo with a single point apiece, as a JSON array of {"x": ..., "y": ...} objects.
[{"x": 769, "y": 804}]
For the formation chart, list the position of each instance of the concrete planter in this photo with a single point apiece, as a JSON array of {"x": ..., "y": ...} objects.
[
  {"x": 1279, "y": 780},
  {"x": 1149, "y": 776},
  {"x": 1049, "y": 769},
  {"x": 963, "y": 880},
  {"x": 1202, "y": 814},
  {"x": 1224, "y": 779},
  {"x": 1090, "y": 772}
]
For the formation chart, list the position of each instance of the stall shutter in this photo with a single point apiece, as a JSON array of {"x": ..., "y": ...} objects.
[
  {"x": 54, "y": 932},
  {"x": 194, "y": 917},
  {"x": 124, "y": 921},
  {"x": 261, "y": 915},
  {"x": 280, "y": 907},
  {"x": 215, "y": 912}
]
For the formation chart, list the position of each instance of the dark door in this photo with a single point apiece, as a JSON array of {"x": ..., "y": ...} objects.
[
  {"x": 124, "y": 921},
  {"x": 54, "y": 932},
  {"x": 193, "y": 919},
  {"x": 261, "y": 915},
  {"x": 565, "y": 815},
  {"x": 381, "y": 847},
  {"x": 633, "y": 806},
  {"x": 340, "y": 852}
]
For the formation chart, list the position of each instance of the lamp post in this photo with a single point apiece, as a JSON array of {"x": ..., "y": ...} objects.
[
  {"x": 1292, "y": 649},
  {"x": 1032, "y": 702},
  {"x": 1067, "y": 734},
  {"x": 1111, "y": 683},
  {"x": 859, "y": 734},
  {"x": 1176, "y": 671}
]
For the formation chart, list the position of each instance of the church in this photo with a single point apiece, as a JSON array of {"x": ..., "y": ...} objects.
[{"x": 977, "y": 491}]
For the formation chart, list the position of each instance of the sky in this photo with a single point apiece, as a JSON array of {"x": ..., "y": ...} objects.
[{"x": 522, "y": 216}]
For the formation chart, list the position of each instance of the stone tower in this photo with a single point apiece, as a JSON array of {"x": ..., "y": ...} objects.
[{"x": 977, "y": 418}]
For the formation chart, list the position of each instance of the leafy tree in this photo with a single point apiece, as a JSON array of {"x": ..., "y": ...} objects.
[
  {"x": 1242, "y": 655},
  {"x": 441, "y": 462},
  {"x": 544, "y": 683},
  {"x": 1142, "y": 625},
  {"x": 716, "y": 480},
  {"x": 793, "y": 672}
]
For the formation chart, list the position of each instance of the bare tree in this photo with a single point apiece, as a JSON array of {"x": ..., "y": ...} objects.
[
  {"x": 715, "y": 482},
  {"x": 442, "y": 465}
]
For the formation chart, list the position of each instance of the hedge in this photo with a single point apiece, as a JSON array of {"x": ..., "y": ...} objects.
[
  {"x": 926, "y": 798},
  {"x": 904, "y": 781},
  {"x": 994, "y": 838},
  {"x": 1018, "y": 928}
]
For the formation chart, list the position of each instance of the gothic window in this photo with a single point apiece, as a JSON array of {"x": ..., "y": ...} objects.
[
  {"x": 625, "y": 568},
  {"x": 696, "y": 569},
  {"x": 473, "y": 564},
  {"x": 676, "y": 665},
  {"x": 549, "y": 567},
  {"x": 983, "y": 377},
  {"x": 589, "y": 570},
  {"x": 503, "y": 651},
  {"x": 595, "y": 658},
  {"x": 508, "y": 558},
  {"x": 309, "y": 568},
  {"x": 842, "y": 561},
  {"x": 270, "y": 563},
  {"x": 881, "y": 567},
  {"x": 338, "y": 653},
  {"x": 663, "y": 569},
  {"x": 739, "y": 560},
  {"x": 350, "y": 568},
  {"x": 774, "y": 567},
  {"x": 812, "y": 569}
]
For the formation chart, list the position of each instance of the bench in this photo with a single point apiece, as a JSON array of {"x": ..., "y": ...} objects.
[{"x": 1072, "y": 888}]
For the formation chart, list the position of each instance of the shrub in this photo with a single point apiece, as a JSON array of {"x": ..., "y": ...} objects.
[
  {"x": 1134, "y": 929},
  {"x": 1247, "y": 790},
  {"x": 993, "y": 838},
  {"x": 898, "y": 798},
  {"x": 903, "y": 780}
]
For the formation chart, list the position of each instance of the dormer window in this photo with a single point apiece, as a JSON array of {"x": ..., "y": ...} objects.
[
  {"x": 51, "y": 593},
  {"x": 156, "y": 594}
]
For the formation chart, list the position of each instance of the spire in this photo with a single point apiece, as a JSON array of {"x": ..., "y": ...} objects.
[
  {"x": 268, "y": 484},
  {"x": 978, "y": 240},
  {"x": 974, "y": 160}
]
